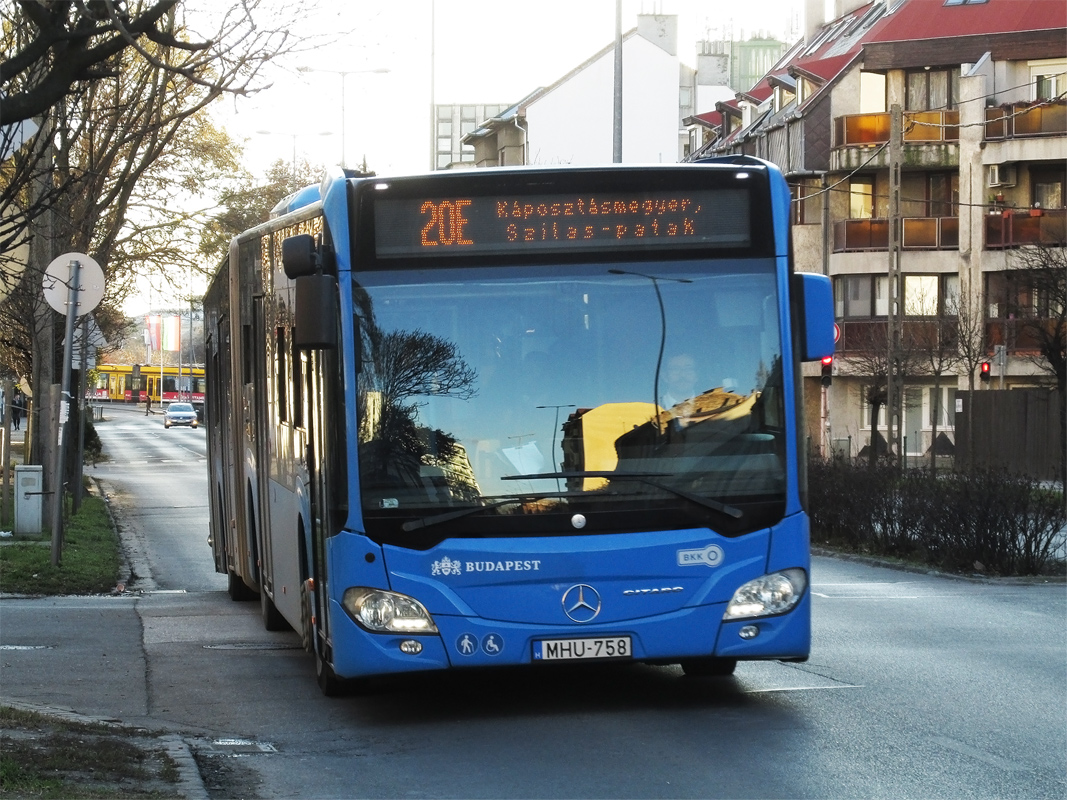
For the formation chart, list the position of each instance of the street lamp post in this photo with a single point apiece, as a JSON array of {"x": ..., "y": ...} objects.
[
  {"x": 344, "y": 73},
  {"x": 294, "y": 137}
]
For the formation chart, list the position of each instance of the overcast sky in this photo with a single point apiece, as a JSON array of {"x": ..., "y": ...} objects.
[{"x": 486, "y": 51}]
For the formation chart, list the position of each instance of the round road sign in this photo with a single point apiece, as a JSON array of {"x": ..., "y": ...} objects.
[{"x": 90, "y": 288}]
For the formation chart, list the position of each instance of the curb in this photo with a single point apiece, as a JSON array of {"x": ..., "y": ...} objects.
[
  {"x": 190, "y": 783},
  {"x": 922, "y": 569}
]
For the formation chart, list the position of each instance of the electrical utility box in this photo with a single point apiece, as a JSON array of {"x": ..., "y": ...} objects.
[{"x": 28, "y": 486}]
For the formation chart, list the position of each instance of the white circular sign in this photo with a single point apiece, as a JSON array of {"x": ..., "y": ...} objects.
[{"x": 90, "y": 288}]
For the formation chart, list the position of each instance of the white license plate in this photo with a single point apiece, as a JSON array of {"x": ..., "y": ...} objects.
[{"x": 582, "y": 649}]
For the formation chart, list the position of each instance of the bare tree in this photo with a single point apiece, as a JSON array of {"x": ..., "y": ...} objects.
[
  {"x": 971, "y": 348},
  {"x": 934, "y": 344},
  {"x": 65, "y": 45},
  {"x": 100, "y": 156},
  {"x": 868, "y": 359}
]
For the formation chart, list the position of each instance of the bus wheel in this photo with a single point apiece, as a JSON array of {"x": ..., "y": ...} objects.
[
  {"x": 236, "y": 588},
  {"x": 331, "y": 685},
  {"x": 272, "y": 618},
  {"x": 709, "y": 667}
]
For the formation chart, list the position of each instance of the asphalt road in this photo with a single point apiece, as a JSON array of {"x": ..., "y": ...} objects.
[{"x": 919, "y": 685}]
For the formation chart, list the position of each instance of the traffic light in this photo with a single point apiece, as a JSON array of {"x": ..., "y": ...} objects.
[
  {"x": 984, "y": 370},
  {"x": 827, "y": 370}
]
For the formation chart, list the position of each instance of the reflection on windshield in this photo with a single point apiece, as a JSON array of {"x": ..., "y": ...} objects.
[{"x": 545, "y": 377}]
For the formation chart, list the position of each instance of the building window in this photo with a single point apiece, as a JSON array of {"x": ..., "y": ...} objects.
[
  {"x": 861, "y": 197},
  {"x": 861, "y": 296},
  {"x": 1016, "y": 294},
  {"x": 1049, "y": 78},
  {"x": 685, "y": 97},
  {"x": 950, "y": 295},
  {"x": 920, "y": 295},
  {"x": 930, "y": 194},
  {"x": 932, "y": 89},
  {"x": 852, "y": 296},
  {"x": 1048, "y": 187},
  {"x": 942, "y": 407},
  {"x": 881, "y": 295},
  {"x": 807, "y": 201}
]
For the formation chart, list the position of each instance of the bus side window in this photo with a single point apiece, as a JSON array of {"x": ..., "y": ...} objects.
[
  {"x": 298, "y": 360},
  {"x": 281, "y": 375}
]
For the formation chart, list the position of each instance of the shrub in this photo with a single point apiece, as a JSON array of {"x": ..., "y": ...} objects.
[{"x": 987, "y": 520}]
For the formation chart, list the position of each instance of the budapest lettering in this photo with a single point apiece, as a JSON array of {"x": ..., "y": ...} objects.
[{"x": 451, "y": 566}]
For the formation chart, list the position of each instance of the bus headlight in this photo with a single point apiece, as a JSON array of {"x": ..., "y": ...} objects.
[
  {"x": 380, "y": 611},
  {"x": 768, "y": 595}
]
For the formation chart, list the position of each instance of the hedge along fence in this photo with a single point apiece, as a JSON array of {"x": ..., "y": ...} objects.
[{"x": 989, "y": 521}]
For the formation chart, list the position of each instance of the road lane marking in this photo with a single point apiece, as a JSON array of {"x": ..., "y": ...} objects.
[
  {"x": 975, "y": 753},
  {"x": 802, "y": 688}
]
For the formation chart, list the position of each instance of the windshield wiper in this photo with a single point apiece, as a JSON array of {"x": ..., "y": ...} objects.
[
  {"x": 459, "y": 513},
  {"x": 640, "y": 477}
]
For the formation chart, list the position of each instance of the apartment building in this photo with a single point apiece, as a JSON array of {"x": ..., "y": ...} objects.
[{"x": 973, "y": 176}]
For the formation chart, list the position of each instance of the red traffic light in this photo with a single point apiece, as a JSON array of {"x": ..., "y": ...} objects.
[
  {"x": 827, "y": 370},
  {"x": 984, "y": 370}
]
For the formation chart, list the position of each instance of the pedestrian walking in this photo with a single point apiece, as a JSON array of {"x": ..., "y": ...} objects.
[{"x": 17, "y": 408}]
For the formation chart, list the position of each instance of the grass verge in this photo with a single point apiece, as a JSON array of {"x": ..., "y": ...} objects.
[
  {"x": 57, "y": 759},
  {"x": 90, "y": 561}
]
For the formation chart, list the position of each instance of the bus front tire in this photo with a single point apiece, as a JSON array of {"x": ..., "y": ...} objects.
[
  {"x": 331, "y": 685},
  {"x": 709, "y": 667}
]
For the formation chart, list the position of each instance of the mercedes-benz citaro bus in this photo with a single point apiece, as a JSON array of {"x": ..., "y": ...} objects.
[{"x": 518, "y": 416}]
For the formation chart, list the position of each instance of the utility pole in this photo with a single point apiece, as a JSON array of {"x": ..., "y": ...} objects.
[
  {"x": 616, "y": 126},
  {"x": 894, "y": 371}
]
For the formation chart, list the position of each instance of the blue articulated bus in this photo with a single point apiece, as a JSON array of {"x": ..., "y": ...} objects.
[{"x": 518, "y": 416}]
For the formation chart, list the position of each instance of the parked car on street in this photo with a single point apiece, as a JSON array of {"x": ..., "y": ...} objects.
[{"x": 180, "y": 414}]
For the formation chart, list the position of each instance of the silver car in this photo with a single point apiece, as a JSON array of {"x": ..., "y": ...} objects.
[{"x": 180, "y": 414}]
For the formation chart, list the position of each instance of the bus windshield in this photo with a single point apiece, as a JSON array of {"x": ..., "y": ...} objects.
[{"x": 555, "y": 399}]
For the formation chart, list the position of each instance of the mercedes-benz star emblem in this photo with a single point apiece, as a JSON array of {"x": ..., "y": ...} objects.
[{"x": 581, "y": 603}]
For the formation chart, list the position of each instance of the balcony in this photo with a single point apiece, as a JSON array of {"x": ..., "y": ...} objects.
[
  {"x": 1018, "y": 120},
  {"x": 1006, "y": 230},
  {"x": 919, "y": 233},
  {"x": 931, "y": 139},
  {"x": 861, "y": 337},
  {"x": 1022, "y": 336},
  {"x": 855, "y": 130}
]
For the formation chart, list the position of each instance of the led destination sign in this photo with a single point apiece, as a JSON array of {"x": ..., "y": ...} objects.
[{"x": 483, "y": 225}]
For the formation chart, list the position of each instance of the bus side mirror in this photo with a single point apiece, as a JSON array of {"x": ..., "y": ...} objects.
[
  {"x": 315, "y": 317},
  {"x": 299, "y": 256},
  {"x": 815, "y": 304}
]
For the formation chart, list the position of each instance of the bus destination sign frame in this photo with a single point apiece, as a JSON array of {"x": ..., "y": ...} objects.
[{"x": 436, "y": 226}]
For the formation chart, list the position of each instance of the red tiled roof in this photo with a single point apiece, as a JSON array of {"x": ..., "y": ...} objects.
[
  {"x": 827, "y": 68},
  {"x": 932, "y": 19},
  {"x": 711, "y": 119}
]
